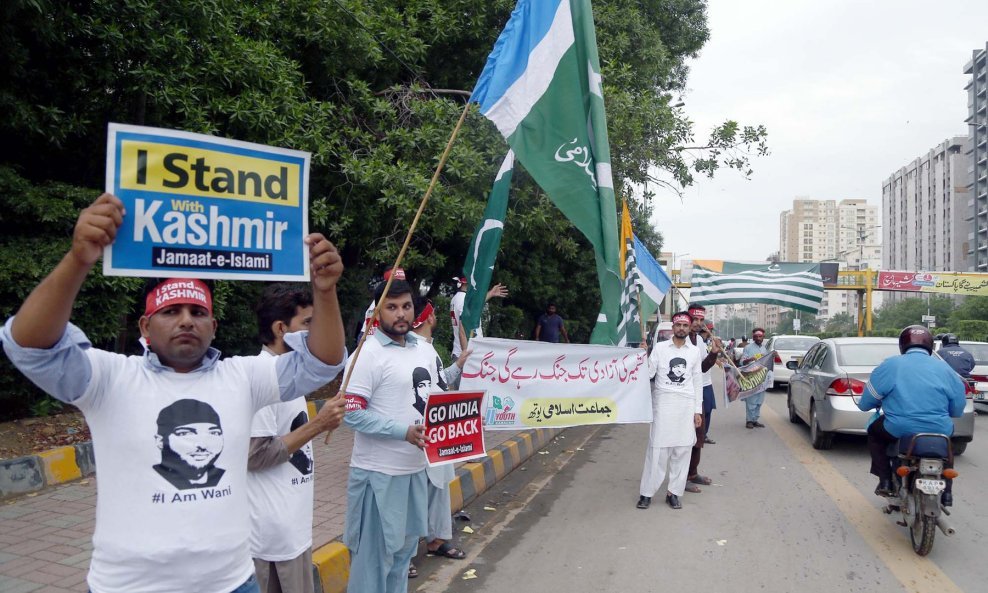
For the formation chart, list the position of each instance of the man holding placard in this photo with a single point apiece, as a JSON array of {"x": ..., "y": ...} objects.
[
  {"x": 176, "y": 408},
  {"x": 387, "y": 491}
]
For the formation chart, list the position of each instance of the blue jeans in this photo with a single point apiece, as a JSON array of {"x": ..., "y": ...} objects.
[{"x": 753, "y": 406}]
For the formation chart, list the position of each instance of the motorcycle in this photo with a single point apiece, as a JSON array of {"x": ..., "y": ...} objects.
[{"x": 919, "y": 477}]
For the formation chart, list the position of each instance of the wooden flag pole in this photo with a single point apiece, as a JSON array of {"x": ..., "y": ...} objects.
[{"x": 404, "y": 247}]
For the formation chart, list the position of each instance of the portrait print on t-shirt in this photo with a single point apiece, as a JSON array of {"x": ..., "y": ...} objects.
[
  {"x": 439, "y": 374},
  {"x": 677, "y": 370},
  {"x": 422, "y": 383},
  {"x": 190, "y": 437},
  {"x": 302, "y": 459}
]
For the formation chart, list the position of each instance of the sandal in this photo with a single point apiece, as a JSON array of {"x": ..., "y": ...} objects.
[
  {"x": 698, "y": 479},
  {"x": 412, "y": 571},
  {"x": 447, "y": 551},
  {"x": 693, "y": 488}
]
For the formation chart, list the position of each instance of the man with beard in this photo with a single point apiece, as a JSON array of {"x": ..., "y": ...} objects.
[
  {"x": 709, "y": 355},
  {"x": 387, "y": 491},
  {"x": 753, "y": 403},
  {"x": 191, "y": 439},
  {"x": 151, "y": 536},
  {"x": 280, "y": 481},
  {"x": 677, "y": 411}
]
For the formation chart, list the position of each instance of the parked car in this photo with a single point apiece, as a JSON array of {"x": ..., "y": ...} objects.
[
  {"x": 788, "y": 348},
  {"x": 979, "y": 350},
  {"x": 827, "y": 383}
]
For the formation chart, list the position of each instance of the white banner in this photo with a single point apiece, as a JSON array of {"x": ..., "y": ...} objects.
[{"x": 538, "y": 384}]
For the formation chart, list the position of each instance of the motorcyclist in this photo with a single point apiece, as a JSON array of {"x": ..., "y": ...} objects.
[
  {"x": 956, "y": 356},
  {"x": 916, "y": 393}
]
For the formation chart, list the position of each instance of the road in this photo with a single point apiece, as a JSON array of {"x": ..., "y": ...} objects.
[{"x": 780, "y": 517}]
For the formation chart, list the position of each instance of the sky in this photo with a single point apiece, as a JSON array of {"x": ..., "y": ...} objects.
[{"x": 850, "y": 92}]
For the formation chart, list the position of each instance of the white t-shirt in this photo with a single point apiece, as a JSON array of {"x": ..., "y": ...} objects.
[
  {"x": 704, "y": 350},
  {"x": 281, "y": 496},
  {"x": 171, "y": 449},
  {"x": 385, "y": 377},
  {"x": 455, "y": 311}
]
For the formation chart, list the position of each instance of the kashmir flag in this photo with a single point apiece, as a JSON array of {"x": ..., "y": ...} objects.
[
  {"x": 542, "y": 89},
  {"x": 479, "y": 265},
  {"x": 654, "y": 280},
  {"x": 793, "y": 285},
  {"x": 629, "y": 329}
]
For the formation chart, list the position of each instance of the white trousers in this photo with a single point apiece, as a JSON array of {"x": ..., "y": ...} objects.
[{"x": 657, "y": 460}]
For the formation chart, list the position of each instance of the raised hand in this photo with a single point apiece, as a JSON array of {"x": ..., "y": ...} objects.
[
  {"x": 96, "y": 228},
  {"x": 325, "y": 262}
]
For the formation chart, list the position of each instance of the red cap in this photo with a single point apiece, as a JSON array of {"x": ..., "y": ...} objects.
[
  {"x": 423, "y": 317},
  {"x": 178, "y": 291},
  {"x": 460, "y": 279}
]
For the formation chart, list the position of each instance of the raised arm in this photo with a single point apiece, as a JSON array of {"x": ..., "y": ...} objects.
[
  {"x": 326, "y": 339},
  {"x": 41, "y": 320}
]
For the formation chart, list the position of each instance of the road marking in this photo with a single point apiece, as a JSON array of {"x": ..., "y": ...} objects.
[
  {"x": 441, "y": 580},
  {"x": 889, "y": 541}
]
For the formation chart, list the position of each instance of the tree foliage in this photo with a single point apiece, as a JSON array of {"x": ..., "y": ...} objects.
[
  {"x": 355, "y": 83},
  {"x": 897, "y": 315}
]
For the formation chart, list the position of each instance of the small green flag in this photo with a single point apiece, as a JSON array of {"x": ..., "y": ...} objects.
[{"x": 479, "y": 265}]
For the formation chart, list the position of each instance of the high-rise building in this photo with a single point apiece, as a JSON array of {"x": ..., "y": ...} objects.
[
  {"x": 845, "y": 231},
  {"x": 926, "y": 212},
  {"x": 977, "y": 160}
]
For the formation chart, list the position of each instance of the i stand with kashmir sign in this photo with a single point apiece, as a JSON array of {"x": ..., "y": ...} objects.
[
  {"x": 199, "y": 206},
  {"x": 538, "y": 384}
]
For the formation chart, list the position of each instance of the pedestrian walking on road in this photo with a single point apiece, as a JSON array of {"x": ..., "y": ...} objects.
[
  {"x": 280, "y": 480},
  {"x": 677, "y": 411},
  {"x": 152, "y": 534}
]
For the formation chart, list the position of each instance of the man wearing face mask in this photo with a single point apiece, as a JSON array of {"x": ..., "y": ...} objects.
[{"x": 752, "y": 352}]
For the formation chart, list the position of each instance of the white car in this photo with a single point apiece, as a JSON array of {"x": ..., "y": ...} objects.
[{"x": 788, "y": 348}]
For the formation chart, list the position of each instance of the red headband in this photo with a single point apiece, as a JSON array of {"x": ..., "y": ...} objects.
[
  {"x": 423, "y": 317},
  {"x": 756, "y": 334},
  {"x": 701, "y": 313},
  {"x": 682, "y": 317},
  {"x": 178, "y": 291},
  {"x": 398, "y": 272}
]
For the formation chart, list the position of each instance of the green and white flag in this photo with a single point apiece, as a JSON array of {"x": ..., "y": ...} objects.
[
  {"x": 542, "y": 89},
  {"x": 797, "y": 286},
  {"x": 479, "y": 265}
]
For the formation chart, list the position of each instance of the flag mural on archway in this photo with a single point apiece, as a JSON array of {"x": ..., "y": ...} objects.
[{"x": 792, "y": 285}]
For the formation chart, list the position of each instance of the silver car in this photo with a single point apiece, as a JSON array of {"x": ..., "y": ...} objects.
[
  {"x": 830, "y": 379},
  {"x": 788, "y": 348}
]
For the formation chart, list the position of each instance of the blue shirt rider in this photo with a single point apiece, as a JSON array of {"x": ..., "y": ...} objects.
[{"x": 916, "y": 393}]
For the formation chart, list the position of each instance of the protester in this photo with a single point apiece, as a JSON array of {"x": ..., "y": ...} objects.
[
  {"x": 753, "y": 403},
  {"x": 460, "y": 338},
  {"x": 708, "y": 355},
  {"x": 550, "y": 326},
  {"x": 710, "y": 403},
  {"x": 369, "y": 322},
  {"x": 280, "y": 464},
  {"x": 387, "y": 492},
  {"x": 440, "y": 520},
  {"x": 677, "y": 411},
  {"x": 151, "y": 535}
]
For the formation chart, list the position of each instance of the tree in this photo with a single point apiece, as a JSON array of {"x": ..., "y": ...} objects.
[
  {"x": 352, "y": 82},
  {"x": 973, "y": 307},
  {"x": 841, "y": 323},
  {"x": 910, "y": 311}
]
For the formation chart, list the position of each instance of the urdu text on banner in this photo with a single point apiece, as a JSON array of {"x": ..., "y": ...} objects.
[
  {"x": 538, "y": 384},
  {"x": 199, "y": 206}
]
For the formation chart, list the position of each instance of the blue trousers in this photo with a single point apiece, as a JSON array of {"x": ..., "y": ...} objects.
[
  {"x": 753, "y": 406},
  {"x": 709, "y": 405}
]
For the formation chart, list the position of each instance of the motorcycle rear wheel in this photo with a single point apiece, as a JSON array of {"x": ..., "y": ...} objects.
[{"x": 921, "y": 533}]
